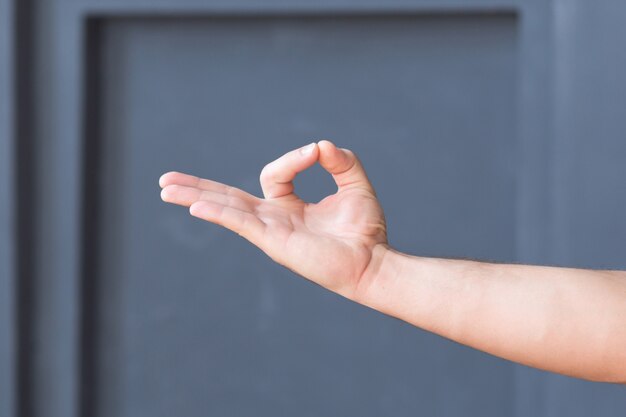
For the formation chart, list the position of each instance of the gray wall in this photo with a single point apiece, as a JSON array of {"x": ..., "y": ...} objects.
[{"x": 490, "y": 129}]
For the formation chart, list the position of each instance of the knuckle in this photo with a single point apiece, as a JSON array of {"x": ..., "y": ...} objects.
[
  {"x": 232, "y": 201},
  {"x": 231, "y": 191}
]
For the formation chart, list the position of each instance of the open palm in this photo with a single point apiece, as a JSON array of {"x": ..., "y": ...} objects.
[{"x": 332, "y": 242}]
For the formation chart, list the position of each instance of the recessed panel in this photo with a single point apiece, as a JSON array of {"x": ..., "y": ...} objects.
[{"x": 190, "y": 319}]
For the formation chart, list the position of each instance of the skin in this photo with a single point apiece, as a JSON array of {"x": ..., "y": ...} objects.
[{"x": 564, "y": 320}]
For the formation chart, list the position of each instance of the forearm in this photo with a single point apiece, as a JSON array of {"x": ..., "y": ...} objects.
[{"x": 569, "y": 321}]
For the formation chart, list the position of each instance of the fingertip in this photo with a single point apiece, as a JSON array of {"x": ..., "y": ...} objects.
[
  {"x": 329, "y": 148},
  {"x": 325, "y": 144},
  {"x": 166, "y": 193},
  {"x": 330, "y": 154},
  {"x": 308, "y": 149},
  {"x": 166, "y": 178},
  {"x": 196, "y": 208},
  {"x": 315, "y": 153},
  {"x": 316, "y": 149}
]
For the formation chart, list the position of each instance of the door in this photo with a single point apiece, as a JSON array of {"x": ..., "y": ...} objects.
[{"x": 468, "y": 117}]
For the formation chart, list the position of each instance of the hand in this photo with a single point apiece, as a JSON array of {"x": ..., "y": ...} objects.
[{"x": 333, "y": 243}]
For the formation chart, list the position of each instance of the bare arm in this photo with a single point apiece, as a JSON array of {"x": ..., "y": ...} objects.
[{"x": 569, "y": 321}]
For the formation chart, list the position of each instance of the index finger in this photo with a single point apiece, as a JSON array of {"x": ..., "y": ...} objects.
[{"x": 277, "y": 176}]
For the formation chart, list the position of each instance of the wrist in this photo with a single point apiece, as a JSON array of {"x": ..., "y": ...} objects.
[
  {"x": 410, "y": 288},
  {"x": 380, "y": 275}
]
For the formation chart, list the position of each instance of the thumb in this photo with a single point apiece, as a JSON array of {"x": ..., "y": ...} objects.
[{"x": 344, "y": 166}]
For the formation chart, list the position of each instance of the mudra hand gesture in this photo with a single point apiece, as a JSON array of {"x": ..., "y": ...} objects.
[
  {"x": 528, "y": 314},
  {"x": 332, "y": 243}
]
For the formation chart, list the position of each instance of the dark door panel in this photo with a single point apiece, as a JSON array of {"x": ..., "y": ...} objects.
[{"x": 192, "y": 319}]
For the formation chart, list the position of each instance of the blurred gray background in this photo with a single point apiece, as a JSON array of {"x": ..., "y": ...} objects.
[{"x": 491, "y": 129}]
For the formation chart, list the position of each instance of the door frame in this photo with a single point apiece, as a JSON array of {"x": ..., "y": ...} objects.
[{"x": 61, "y": 236}]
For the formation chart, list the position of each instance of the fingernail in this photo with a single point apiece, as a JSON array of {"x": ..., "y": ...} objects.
[{"x": 305, "y": 150}]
